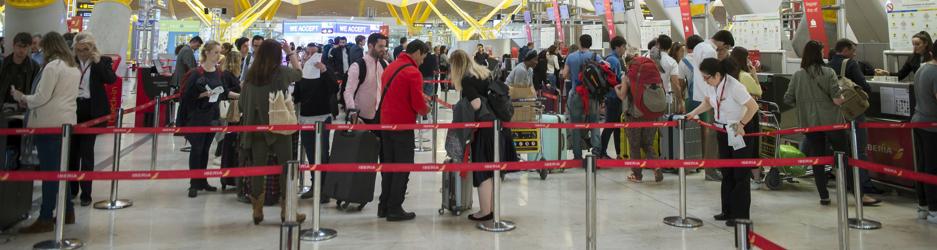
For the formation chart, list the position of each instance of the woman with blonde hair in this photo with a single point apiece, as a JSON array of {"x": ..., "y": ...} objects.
[
  {"x": 52, "y": 104},
  {"x": 96, "y": 72},
  {"x": 471, "y": 80}
]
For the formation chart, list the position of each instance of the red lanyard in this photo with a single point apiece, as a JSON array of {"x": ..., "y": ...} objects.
[{"x": 719, "y": 100}]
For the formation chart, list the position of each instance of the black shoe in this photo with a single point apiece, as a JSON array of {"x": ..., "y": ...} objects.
[
  {"x": 488, "y": 217},
  {"x": 721, "y": 217},
  {"x": 307, "y": 195},
  {"x": 85, "y": 202},
  {"x": 400, "y": 215},
  {"x": 193, "y": 192},
  {"x": 209, "y": 188},
  {"x": 324, "y": 200},
  {"x": 381, "y": 212},
  {"x": 730, "y": 223},
  {"x": 186, "y": 149},
  {"x": 825, "y": 202}
]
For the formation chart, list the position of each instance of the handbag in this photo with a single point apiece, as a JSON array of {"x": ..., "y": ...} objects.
[
  {"x": 282, "y": 112},
  {"x": 234, "y": 112}
]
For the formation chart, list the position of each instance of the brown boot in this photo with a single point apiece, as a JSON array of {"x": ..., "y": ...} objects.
[
  {"x": 257, "y": 204},
  {"x": 69, "y": 217},
  {"x": 39, "y": 226},
  {"x": 300, "y": 218}
]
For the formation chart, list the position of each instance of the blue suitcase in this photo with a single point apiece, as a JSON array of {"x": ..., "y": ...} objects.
[{"x": 551, "y": 140}]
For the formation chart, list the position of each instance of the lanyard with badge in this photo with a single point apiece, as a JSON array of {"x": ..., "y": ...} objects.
[
  {"x": 720, "y": 98},
  {"x": 81, "y": 80}
]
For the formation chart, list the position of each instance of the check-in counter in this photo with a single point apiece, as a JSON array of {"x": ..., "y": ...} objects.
[{"x": 891, "y": 102}]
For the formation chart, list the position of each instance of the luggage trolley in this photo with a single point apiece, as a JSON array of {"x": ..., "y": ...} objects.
[
  {"x": 772, "y": 147},
  {"x": 527, "y": 140}
]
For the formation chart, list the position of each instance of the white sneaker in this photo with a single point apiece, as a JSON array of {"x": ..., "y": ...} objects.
[
  {"x": 756, "y": 184},
  {"x": 932, "y": 217}
]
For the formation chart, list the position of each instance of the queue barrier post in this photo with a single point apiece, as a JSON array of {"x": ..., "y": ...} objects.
[
  {"x": 859, "y": 222},
  {"x": 682, "y": 220},
  {"x": 289, "y": 230},
  {"x": 843, "y": 211},
  {"x": 317, "y": 233},
  {"x": 113, "y": 203},
  {"x": 591, "y": 219},
  {"x": 742, "y": 228},
  {"x": 60, "y": 242},
  {"x": 171, "y": 113},
  {"x": 435, "y": 120},
  {"x": 497, "y": 225},
  {"x": 154, "y": 145},
  {"x": 301, "y": 158}
]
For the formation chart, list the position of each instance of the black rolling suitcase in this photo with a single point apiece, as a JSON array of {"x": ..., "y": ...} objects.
[
  {"x": 346, "y": 188},
  {"x": 16, "y": 196},
  {"x": 229, "y": 157}
]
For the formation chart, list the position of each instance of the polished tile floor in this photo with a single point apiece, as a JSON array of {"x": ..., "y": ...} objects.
[{"x": 549, "y": 215}]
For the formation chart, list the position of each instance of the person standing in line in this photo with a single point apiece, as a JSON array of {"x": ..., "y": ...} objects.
[
  {"x": 400, "y": 48},
  {"x": 612, "y": 101},
  {"x": 481, "y": 56},
  {"x": 52, "y": 104},
  {"x": 734, "y": 109},
  {"x": 265, "y": 77},
  {"x": 364, "y": 97},
  {"x": 403, "y": 101},
  {"x": 339, "y": 59},
  {"x": 314, "y": 95},
  {"x": 185, "y": 60},
  {"x": 814, "y": 92},
  {"x": 670, "y": 72},
  {"x": 96, "y": 71},
  {"x": 642, "y": 73},
  {"x": 356, "y": 50},
  {"x": 553, "y": 65},
  {"x": 18, "y": 71},
  {"x": 701, "y": 50},
  {"x": 521, "y": 78},
  {"x": 578, "y": 111},
  {"x": 203, "y": 90},
  {"x": 845, "y": 49},
  {"x": 36, "y": 53},
  {"x": 428, "y": 69},
  {"x": 925, "y": 94},
  {"x": 249, "y": 57}
]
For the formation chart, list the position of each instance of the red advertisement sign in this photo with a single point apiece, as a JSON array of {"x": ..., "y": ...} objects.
[
  {"x": 609, "y": 18},
  {"x": 558, "y": 21},
  {"x": 75, "y": 24},
  {"x": 687, "y": 17},
  {"x": 814, "y": 13},
  {"x": 892, "y": 147}
]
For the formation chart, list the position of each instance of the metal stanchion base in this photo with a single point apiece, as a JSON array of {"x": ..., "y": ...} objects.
[
  {"x": 420, "y": 139},
  {"x": 321, "y": 235},
  {"x": 864, "y": 224},
  {"x": 688, "y": 222},
  {"x": 64, "y": 244},
  {"x": 117, "y": 204},
  {"x": 500, "y": 226},
  {"x": 422, "y": 149}
]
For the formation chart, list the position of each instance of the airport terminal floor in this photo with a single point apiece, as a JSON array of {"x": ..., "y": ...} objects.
[{"x": 549, "y": 214}]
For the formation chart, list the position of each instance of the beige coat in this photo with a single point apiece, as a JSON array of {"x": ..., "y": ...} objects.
[{"x": 53, "y": 102}]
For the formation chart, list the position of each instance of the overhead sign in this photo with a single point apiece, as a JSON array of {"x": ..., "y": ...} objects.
[
  {"x": 686, "y": 16},
  {"x": 330, "y": 28},
  {"x": 556, "y": 20},
  {"x": 813, "y": 11},
  {"x": 564, "y": 12},
  {"x": 609, "y": 18},
  {"x": 618, "y": 6}
]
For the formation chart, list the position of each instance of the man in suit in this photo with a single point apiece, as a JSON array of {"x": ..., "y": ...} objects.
[
  {"x": 339, "y": 59},
  {"x": 249, "y": 58},
  {"x": 185, "y": 60}
]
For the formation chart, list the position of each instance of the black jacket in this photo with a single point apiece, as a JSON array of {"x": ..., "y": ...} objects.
[
  {"x": 910, "y": 67},
  {"x": 102, "y": 73},
  {"x": 397, "y": 51},
  {"x": 316, "y": 96},
  {"x": 430, "y": 65},
  {"x": 853, "y": 71},
  {"x": 334, "y": 63},
  {"x": 22, "y": 80}
]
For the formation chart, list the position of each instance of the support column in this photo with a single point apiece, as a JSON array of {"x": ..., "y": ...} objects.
[
  {"x": 33, "y": 17},
  {"x": 112, "y": 27}
]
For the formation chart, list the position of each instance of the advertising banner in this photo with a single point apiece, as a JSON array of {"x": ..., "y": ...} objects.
[
  {"x": 813, "y": 11},
  {"x": 687, "y": 17},
  {"x": 609, "y": 18},
  {"x": 556, "y": 20}
]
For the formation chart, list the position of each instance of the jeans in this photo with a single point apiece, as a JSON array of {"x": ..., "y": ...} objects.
[
  {"x": 429, "y": 88},
  {"x": 927, "y": 163},
  {"x": 198, "y": 156},
  {"x": 552, "y": 79},
  {"x": 577, "y": 115},
  {"x": 862, "y": 135},
  {"x": 49, "y": 148},
  {"x": 612, "y": 115}
]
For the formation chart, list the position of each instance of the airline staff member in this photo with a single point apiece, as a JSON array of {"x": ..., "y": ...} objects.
[{"x": 734, "y": 110}]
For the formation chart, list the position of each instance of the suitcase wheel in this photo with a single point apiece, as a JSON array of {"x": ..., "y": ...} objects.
[
  {"x": 457, "y": 212},
  {"x": 543, "y": 174},
  {"x": 442, "y": 211},
  {"x": 342, "y": 204},
  {"x": 773, "y": 179}
]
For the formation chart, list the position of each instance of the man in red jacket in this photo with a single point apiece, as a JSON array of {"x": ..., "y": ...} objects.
[{"x": 401, "y": 102}]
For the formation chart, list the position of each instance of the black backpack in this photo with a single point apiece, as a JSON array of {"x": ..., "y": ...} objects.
[
  {"x": 362, "y": 74},
  {"x": 594, "y": 77},
  {"x": 500, "y": 100}
]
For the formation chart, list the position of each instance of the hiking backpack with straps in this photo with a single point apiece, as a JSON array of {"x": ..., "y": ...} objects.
[{"x": 597, "y": 77}]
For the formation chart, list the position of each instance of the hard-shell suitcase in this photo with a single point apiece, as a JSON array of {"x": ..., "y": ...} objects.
[
  {"x": 456, "y": 192},
  {"x": 551, "y": 145},
  {"x": 346, "y": 188}
]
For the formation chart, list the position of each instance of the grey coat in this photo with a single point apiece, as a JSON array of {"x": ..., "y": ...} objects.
[{"x": 812, "y": 93}]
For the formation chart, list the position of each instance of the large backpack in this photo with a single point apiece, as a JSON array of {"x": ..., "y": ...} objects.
[
  {"x": 645, "y": 93},
  {"x": 856, "y": 99},
  {"x": 597, "y": 77},
  {"x": 499, "y": 100}
]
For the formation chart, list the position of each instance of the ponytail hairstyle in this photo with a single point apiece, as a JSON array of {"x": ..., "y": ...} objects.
[{"x": 712, "y": 67}]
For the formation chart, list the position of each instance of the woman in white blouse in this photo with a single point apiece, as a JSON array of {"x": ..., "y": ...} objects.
[
  {"x": 734, "y": 109},
  {"x": 553, "y": 64},
  {"x": 52, "y": 104}
]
